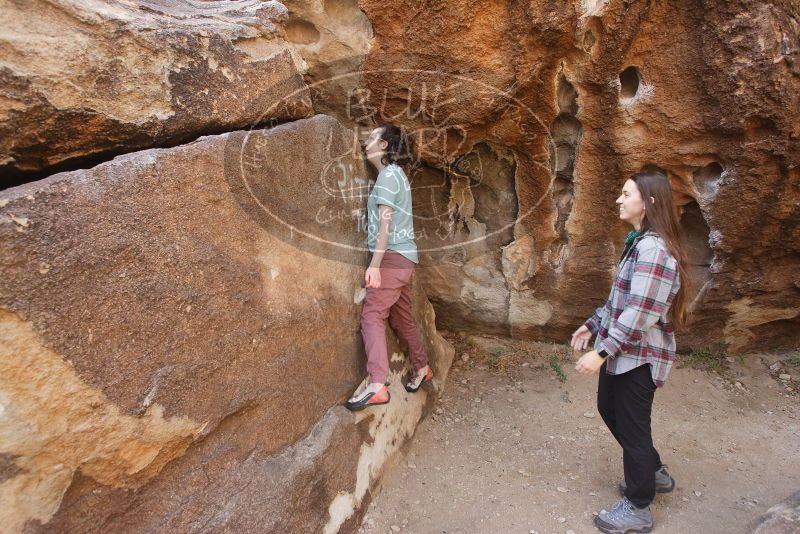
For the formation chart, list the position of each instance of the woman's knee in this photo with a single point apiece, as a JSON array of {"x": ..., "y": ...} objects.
[
  {"x": 399, "y": 323},
  {"x": 371, "y": 317}
]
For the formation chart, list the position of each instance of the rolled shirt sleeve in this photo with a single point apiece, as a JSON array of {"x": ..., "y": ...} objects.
[
  {"x": 594, "y": 322},
  {"x": 654, "y": 274}
]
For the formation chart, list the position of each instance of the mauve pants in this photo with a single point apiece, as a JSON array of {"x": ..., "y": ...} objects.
[{"x": 392, "y": 300}]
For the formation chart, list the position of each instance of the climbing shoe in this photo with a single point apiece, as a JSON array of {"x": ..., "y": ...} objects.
[
  {"x": 418, "y": 378},
  {"x": 367, "y": 398}
]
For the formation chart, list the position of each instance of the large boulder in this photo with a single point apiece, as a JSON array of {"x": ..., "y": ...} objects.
[
  {"x": 83, "y": 81},
  {"x": 783, "y": 518},
  {"x": 572, "y": 99},
  {"x": 176, "y": 341}
]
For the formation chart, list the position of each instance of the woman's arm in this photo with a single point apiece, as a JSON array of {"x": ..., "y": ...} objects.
[
  {"x": 594, "y": 322},
  {"x": 373, "y": 275}
]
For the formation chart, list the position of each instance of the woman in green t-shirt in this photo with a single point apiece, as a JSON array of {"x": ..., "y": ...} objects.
[{"x": 390, "y": 237}]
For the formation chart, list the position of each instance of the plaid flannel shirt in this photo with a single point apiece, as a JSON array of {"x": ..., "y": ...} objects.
[{"x": 632, "y": 326}]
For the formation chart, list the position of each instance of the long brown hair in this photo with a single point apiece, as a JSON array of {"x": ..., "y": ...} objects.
[{"x": 661, "y": 216}]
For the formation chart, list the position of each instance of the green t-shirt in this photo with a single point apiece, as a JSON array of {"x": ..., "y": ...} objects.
[{"x": 393, "y": 189}]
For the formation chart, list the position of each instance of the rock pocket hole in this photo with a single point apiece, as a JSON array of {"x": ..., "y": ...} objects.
[
  {"x": 589, "y": 40},
  {"x": 592, "y": 35},
  {"x": 707, "y": 180},
  {"x": 567, "y": 97},
  {"x": 565, "y": 132},
  {"x": 301, "y": 32},
  {"x": 629, "y": 81}
]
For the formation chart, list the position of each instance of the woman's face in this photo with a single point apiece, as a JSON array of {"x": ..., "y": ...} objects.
[
  {"x": 631, "y": 205},
  {"x": 374, "y": 147}
]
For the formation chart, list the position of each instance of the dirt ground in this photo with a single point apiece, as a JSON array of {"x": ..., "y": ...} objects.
[{"x": 512, "y": 448}]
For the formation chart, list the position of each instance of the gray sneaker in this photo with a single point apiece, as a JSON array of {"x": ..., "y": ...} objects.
[
  {"x": 664, "y": 482},
  {"x": 624, "y": 517}
]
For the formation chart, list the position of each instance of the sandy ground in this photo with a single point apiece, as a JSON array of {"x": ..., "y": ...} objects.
[{"x": 510, "y": 448}]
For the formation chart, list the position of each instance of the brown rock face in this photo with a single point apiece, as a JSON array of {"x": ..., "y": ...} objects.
[
  {"x": 173, "y": 359},
  {"x": 82, "y": 81},
  {"x": 570, "y": 99}
]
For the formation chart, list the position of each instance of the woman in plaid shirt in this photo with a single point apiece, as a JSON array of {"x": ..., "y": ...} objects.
[{"x": 635, "y": 344}]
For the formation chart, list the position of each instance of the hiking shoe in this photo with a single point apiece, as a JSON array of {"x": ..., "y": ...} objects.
[
  {"x": 368, "y": 398},
  {"x": 623, "y": 518},
  {"x": 664, "y": 482},
  {"x": 418, "y": 378}
]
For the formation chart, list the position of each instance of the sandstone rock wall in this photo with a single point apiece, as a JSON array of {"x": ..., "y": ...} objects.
[
  {"x": 576, "y": 97},
  {"x": 527, "y": 119},
  {"x": 82, "y": 81},
  {"x": 173, "y": 359}
]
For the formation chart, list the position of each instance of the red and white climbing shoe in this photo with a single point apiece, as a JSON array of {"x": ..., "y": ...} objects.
[
  {"x": 367, "y": 398},
  {"x": 419, "y": 378}
]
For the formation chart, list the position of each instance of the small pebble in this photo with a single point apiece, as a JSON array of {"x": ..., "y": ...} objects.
[
  {"x": 588, "y": 414},
  {"x": 784, "y": 376},
  {"x": 697, "y": 493}
]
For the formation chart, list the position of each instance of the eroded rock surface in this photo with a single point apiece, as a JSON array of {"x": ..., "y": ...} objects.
[
  {"x": 579, "y": 96},
  {"x": 82, "y": 81},
  {"x": 175, "y": 360}
]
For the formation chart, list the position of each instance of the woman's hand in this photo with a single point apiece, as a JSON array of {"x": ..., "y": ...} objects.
[
  {"x": 589, "y": 363},
  {"x": 581, "y": 338},
  {"x": 372, "y": 277}
]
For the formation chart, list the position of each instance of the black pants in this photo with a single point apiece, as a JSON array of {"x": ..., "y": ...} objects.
[{"x": 625, "y": 402}]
